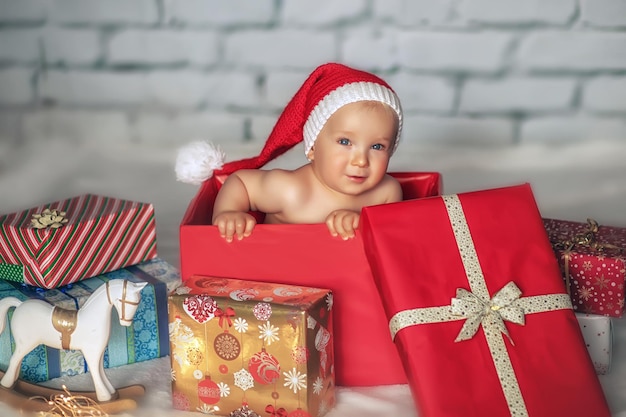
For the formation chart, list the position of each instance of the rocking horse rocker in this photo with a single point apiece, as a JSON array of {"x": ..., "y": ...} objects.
[{"x": 88, "y": 329}]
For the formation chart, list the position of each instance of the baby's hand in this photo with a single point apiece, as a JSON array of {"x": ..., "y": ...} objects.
[
  {"x": 343, "y": 223},
  {"x": 234, "y": 223}
]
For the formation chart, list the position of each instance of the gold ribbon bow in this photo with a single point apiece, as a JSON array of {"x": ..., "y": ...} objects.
[
  {"x": 502, "y": 306},
  {"x": 478, "y": 308},
  {"x": 48, "y": 219},
  {"x": 586, "y": 239}
]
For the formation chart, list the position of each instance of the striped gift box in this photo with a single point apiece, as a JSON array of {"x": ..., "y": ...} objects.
[{"x": 66, "y": 241}]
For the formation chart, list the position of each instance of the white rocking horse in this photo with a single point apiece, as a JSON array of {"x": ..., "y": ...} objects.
[{"x": 36, "y": 322}]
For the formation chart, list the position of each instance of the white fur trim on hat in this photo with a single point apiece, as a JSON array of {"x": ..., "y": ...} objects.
[{"x": 349, "y": 93}]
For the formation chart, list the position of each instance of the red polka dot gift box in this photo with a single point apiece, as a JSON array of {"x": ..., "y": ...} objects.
[
  {"x": 592, "y": 259},
  {"x": 59, "y": 243},
  {"x": 240, "y": 347},
  {"x": 477, "y": 308}
]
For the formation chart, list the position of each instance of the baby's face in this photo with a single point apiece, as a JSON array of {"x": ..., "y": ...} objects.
[{"x": 352, "y": 151}]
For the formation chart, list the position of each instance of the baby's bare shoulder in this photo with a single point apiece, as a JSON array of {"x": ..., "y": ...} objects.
[
  {"x": 272, "y": 184},
  {"x": 390, "y": 189}
]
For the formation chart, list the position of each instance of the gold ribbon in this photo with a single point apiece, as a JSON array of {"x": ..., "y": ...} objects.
[
  {"x": 586, "y": 239},
  {"x": 502, "y": 306},
  {"x": 478, "y": 308},
  {"x": 48, "y": 219}
]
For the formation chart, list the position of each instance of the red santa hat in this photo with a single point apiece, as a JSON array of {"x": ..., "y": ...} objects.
[{"x": 328, "y": 88}]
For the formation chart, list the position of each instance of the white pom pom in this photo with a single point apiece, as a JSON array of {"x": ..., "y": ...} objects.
[{"x": 196, "y": 162}]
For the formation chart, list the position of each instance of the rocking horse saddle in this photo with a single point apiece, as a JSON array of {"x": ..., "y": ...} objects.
[{"x": 64, "y": 321}]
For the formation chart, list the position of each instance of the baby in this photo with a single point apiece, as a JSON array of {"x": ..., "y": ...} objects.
[{"x": 350, "y": 122}]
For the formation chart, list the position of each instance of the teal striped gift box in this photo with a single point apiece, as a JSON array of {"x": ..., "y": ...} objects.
[{"x": 147, "y": 338}]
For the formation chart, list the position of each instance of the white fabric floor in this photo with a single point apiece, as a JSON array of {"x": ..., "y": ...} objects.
[{"x": 570, "y": 182}]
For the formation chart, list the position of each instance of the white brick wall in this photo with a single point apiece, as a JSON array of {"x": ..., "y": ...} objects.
[
  {"x": 77, "y": 126},
  {"x": 557, "y": 12},
  {"x": 565, "y": 129},
  {"x": 163, "y": 47},
  {"x": 78, "y": 88},
  {"x": 459, "y": 131},
  {"x": 469, "y": 72},
  {"x": 424, "y": 93},
  {"x": 219, "y": 12},
  {"x": 104, "y": 12},
  {"x": 292, "y": 48},
  {"x": 517, "y": 95},
  {"x": 456, "y": 51},
  {"x": 19, "y": 46},
  {"x": 179, "y": 129},
  {"x": 15, "y": 87},
  {"x": 22, "y": 11},
  {"x": 573, "y": 51},
  {"x": 604, "y": 13},
  {"x": 80, "y": 47},
  {"x": 606, "y": 94},
  {"x": 321, "y": 12},
  {"x": 413, "y": 12}
]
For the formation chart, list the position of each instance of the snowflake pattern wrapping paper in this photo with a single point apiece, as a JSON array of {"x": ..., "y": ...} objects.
[
  {"x": 598, "y": 334},
  {"x": 237, "y": 343},
  {"x": 593, "y": 263}
]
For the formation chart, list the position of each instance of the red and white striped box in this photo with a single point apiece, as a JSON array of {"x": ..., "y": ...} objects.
[{"x": 66, "y": 241}]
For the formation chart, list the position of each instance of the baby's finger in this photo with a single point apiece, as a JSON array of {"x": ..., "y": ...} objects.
[
  {"x": 347, "y": 224},
  {"x": 221, "y": 227},
  {"x": 340, "y": 226},
  {"x": 250, "y": 223},
  {"x": 330, "y": 223},
  {"x": 240, "y": 227},
  {"x": 229, "y": 230}
]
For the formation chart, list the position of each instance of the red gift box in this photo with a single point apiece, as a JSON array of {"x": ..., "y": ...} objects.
[
  {"x": 592, "y": 263},
  {"x": 478, "y": 308},
  {"x": 66, "y": 241},
  {"x": 306, "y": 254}
]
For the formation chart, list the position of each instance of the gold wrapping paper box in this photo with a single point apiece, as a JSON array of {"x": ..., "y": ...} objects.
[{"x": 241, "y": 345}]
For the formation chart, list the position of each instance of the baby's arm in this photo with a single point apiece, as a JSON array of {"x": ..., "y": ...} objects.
[
  {"x": 245, "y": 190},
  {"x": 230, "y": 211}
]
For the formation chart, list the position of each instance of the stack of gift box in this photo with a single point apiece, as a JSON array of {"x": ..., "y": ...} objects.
[
  {"x": 459, "y": 296},
  {"x": 463, "y": 297},
  {"x": 61, "y": 252},
  {"x": 592, "y": 260}
]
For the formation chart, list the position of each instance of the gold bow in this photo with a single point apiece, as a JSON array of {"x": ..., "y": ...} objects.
[
  {"x": 502, "y": 306},
  {"x": 586, "y": 239},
  {"x": 48, "y": 219}
]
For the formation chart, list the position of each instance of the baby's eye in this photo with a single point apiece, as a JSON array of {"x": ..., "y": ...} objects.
[
  {"x": 343, "y": 141},
  {"x": 378, "y": 147}
]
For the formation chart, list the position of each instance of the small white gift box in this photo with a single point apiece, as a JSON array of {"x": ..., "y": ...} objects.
[{"x": 598, "y": 334}]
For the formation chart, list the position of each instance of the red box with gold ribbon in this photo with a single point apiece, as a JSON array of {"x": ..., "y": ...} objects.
[
  {"x": 477, "y": 307},
  {"x": 306, "y": 254},
  {"x": 245, "y": 346},
  {"x": 66, "y": 241},
  {"x": 593, "y": 264}
]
